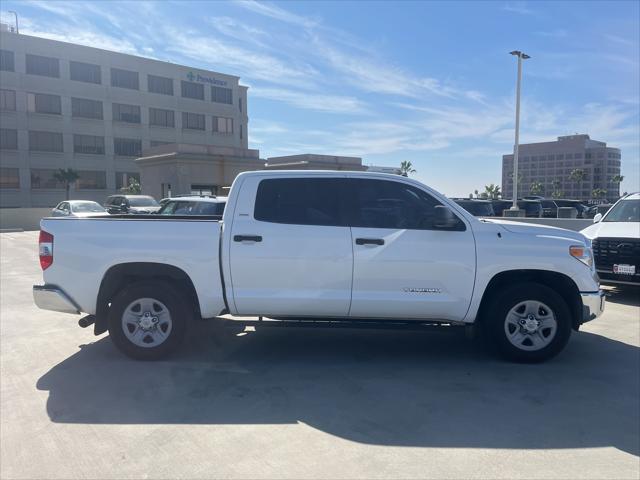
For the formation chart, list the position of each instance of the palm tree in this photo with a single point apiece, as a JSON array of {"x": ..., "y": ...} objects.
[
  {"x": 557, "y": 193},
  {"x": 67, "y": 177},
  {"x": 617, "y": 179},
  {"x": 598, "y": 192},
  {"x": 492, "y": 191},
  {"x": 536, "y": 188},
  {"x": 133, "y": 188},
  {"x": 406, "y": 168},
  {"x": 578, "y": 175}
]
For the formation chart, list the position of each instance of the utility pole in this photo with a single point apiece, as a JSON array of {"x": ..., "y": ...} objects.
[
  {"x": 521, "y": 56},
  {"x": 16, "y": 15}
]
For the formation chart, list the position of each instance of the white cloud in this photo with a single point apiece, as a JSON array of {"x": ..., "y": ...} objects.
[
  {"x": 277, "y": 13},
  {"x": 517, "y": 7},
  {"x": 312, "y": 101}
]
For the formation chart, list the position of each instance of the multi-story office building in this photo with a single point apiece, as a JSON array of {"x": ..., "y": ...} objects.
[
  {"x": 551, "y": 164},
  {"x": 70, "y": 106}
]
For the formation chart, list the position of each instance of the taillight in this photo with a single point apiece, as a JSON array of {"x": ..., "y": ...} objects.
[{"x": 45, "y": 244}]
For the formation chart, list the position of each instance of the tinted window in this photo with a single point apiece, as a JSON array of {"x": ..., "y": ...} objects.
[
  {"x": 192, "y": 90},
  {"x": 7, "y": 62},
  {"x": 8, "y": 139},
  {"x": 124, "y": 79},
  {"x": 126, "y": 113},
  {"x": 142, "y": 202},
  {"x": 85, "y": 108},
  {"x": 384, "y": 204},
  {"x": 85, "y": 72},
  {"x": 478, "y": 209},
  {"x": 300, "y": 201},
  {"x": 161, "y": 85},
  {"x": 46, "y": 66},
  {"x": 222, "y": 95},
  {"x": 8, "y": 100}
]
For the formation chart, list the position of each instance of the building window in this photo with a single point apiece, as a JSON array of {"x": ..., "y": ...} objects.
[
  {"x": 157, "y": 143},
  {"x": 124, "y": 79},
  {"x": 89, "y": 144},
  {"x": 91, "y": 180},
  {"x": 85, "y": 72},
  {"x": 223, "y": 125},
  {"x": 193, "y": 121},
  {"x": 45, "y": 141},
  {"x": 587, "y": 155},
  {"x": 192, "y": 90},
  {"x": 44, "y": 103},
  {"x": 7, "y": 62},
  {"x": 8, "y": 100},
  {"x": 221, "y": 95},
  {"x": 85, "y": 108},
  {"x": 161, "y": 85},
  {"x": 241, "y": 132},
  {"x": 162, "y": 118},
  {"x": 44, "y": 178},
  {"x": 126, "y": 113},
  {"x": 240, "y": 104},
  {"x": 123, "y": 179},
  {"x": 127, "y": 147},
  {"x": 9, "y": 178},
  {"x": 577, "y": 155},
  {"x": 45, "y": 66},
  {"x": 8, "y": 139}
]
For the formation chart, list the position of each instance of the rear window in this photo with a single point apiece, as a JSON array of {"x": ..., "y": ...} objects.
[
  {"x": 478, "y": 209},
  {"x": 142, "y": 202},
  {"x": 300, "y": 201}
]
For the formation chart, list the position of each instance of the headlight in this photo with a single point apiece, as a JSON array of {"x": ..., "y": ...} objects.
[{"x": 582, "y": 253}]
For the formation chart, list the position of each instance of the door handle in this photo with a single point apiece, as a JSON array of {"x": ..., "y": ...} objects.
[
  {"x": 369, "y": 241},
  {"x": 247, "y": 238}
]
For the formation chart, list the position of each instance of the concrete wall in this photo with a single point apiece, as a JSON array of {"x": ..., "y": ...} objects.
[{"x": 22, "y": 218}]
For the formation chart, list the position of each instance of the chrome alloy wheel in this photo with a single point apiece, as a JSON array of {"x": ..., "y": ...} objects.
[
  {"x": 530, "y": 325},
  {"x": 146, "y": 322}
]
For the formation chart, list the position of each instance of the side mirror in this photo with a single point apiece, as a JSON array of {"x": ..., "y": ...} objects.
[
  {"x": 444, "y": 218},
  {"x": 597, "y": 217}
]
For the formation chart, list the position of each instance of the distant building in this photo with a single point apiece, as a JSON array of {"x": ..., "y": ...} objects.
[
  {"x": 69, "y": 106},
  {"x": 549, "y": 162}
]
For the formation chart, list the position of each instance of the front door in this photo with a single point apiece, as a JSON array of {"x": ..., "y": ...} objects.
[
  {"x": 404, "y": 267},
  {"x": 290, "y": 248}
]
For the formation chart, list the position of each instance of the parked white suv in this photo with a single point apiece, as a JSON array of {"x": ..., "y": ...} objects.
[
  {"x": 615, "y": 237},
  {"x": 322, "y": 248}
]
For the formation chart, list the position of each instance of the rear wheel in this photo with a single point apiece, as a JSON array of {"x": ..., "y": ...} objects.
[
  {"x": 147, "y": 320},
  {"x": 528, "y": 322}
]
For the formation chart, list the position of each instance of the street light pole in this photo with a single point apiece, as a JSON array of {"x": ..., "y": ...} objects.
[
  {"x": 521, "y": 56},
  {"x": 16, "y": 15}
]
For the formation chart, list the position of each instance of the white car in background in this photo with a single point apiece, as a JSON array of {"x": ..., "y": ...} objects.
[
  {"x": 615, "y": 237},
  {"x": 78, "y": 208}
]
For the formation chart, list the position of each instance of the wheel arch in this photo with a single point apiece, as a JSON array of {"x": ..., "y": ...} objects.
[
  {"x": 119, "y": 276},
  {"x": 559, "y": 282}
]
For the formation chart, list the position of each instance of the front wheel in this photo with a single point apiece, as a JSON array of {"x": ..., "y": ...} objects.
[
  {"x": 147, "y": 320},
  {"x": 528, "y": 323}
]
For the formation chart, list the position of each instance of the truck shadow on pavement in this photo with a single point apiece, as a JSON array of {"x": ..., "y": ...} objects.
[{"x": 425, "y": 389}]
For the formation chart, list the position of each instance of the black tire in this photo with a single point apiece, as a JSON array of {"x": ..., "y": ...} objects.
[
  {"x": 495, "y": 318},
  {"x": 164, "y": 294}
]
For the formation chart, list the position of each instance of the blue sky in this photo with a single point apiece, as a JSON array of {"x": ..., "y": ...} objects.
[{"x": 429, "y": 82}]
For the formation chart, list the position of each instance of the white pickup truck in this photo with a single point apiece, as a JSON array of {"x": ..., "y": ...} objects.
[{"x": 322, "y": 248}]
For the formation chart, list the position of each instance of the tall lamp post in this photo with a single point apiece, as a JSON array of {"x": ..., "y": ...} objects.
[
  {"x": 521, "y": 56},
  {"x": 16, "y": 15}
]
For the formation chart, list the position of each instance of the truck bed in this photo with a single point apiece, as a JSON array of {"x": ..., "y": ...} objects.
[{"x": 89, "y": 247}]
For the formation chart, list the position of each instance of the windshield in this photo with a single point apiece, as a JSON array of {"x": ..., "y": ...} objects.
[
  {"x": 142, "y": 202},
  {"x": 86, "y": 207},
  {"x": 624, "y": 211}
]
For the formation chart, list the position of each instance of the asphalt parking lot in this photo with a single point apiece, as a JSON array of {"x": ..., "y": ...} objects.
[{"x": 303, "y": 403}]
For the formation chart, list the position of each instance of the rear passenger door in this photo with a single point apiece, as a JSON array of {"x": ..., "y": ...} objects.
[
  {"x": 290, "y": 251},
  {"x": 404, "y": 267}
]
